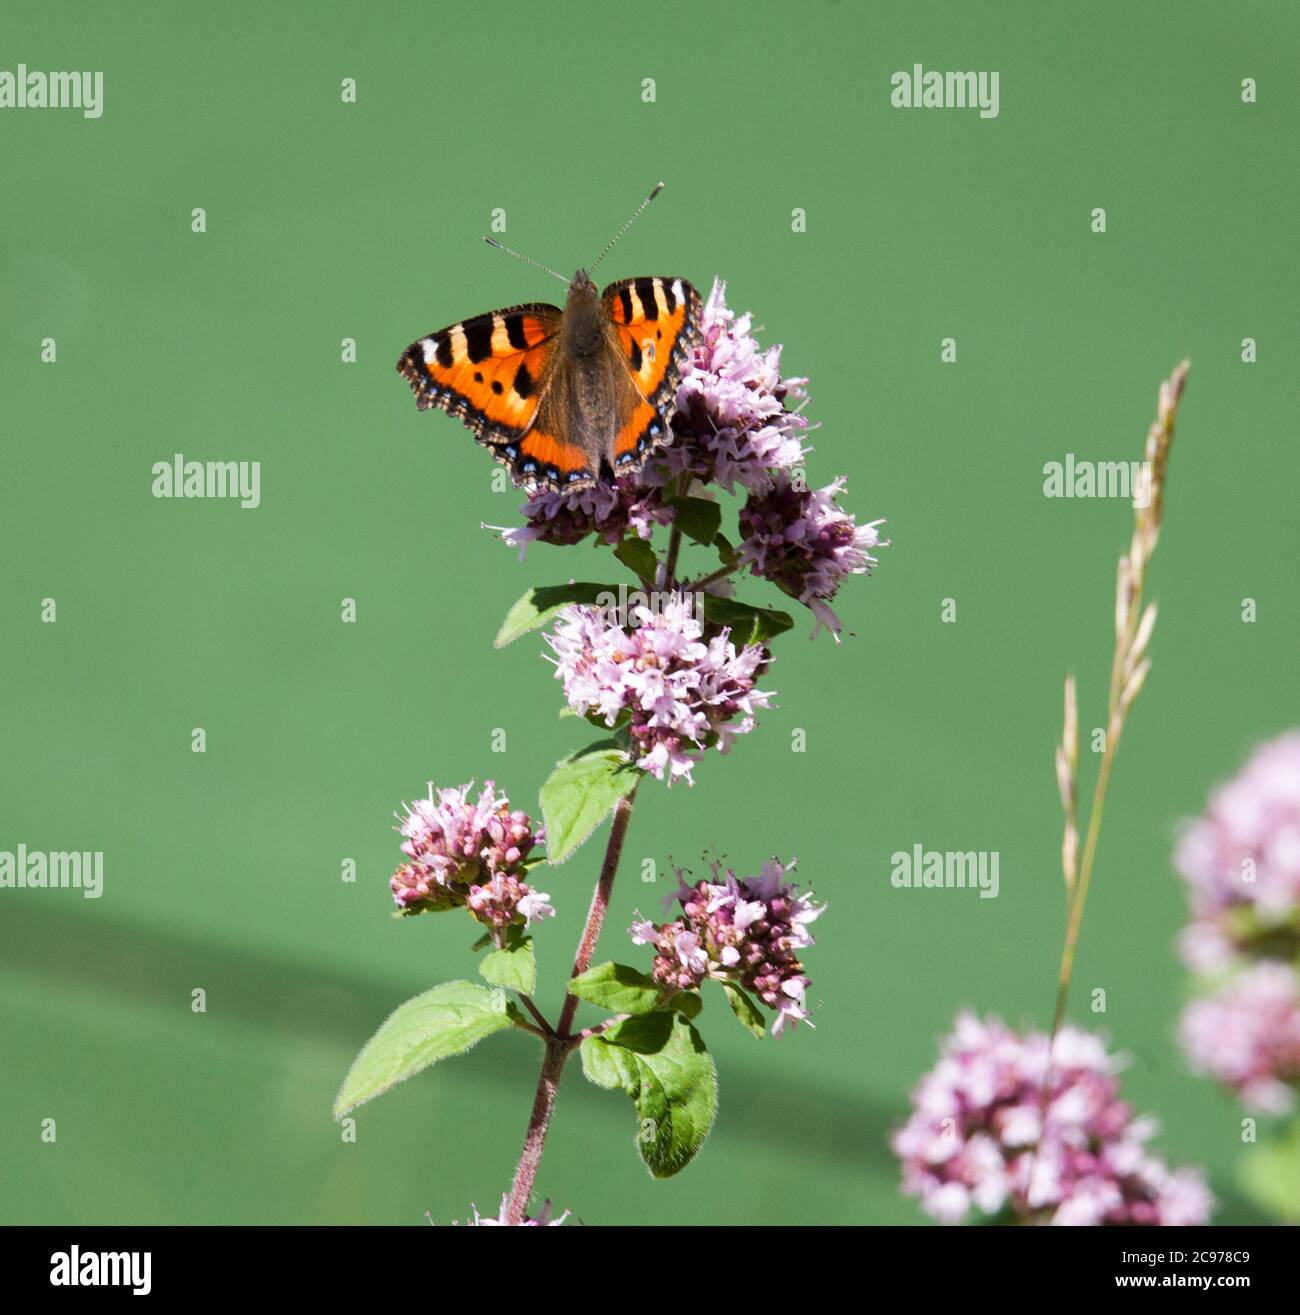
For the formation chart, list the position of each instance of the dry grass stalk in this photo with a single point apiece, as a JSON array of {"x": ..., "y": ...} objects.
[{"x": 1134, "y": 626}]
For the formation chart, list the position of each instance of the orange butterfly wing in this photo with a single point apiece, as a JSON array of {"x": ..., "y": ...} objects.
[
  {"x": 551, "y": 461},
  {"x": 493, "y": 372},
  {"x": 490, "y": 371},
  {"x": 657, "y": 320}
]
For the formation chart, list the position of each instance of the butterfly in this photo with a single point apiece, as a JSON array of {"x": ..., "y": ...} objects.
[{"x": 565, "y": 398}]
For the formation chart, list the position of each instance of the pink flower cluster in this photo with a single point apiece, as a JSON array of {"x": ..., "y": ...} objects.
[
  {"x": 747, "y": 931},
  {"x": 676, "y": 693},
  {"x": 608, "y": 511},
  {"x": 800, "y": 540},
  {"x": 1247, "y": 1036},
  {"x": 1241, "y": 862},
  {"x": 978, "y": 1133},
  {"x": 468, "y": 853},
  {"x": 732, "y": 425}
]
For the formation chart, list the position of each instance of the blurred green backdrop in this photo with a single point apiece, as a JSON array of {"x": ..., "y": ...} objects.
[{"x": 328, "y": 220}]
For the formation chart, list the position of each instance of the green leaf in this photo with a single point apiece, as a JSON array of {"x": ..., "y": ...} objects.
[
  {"x": 697, "y": 518},
  {"x": 749, "y": 625},
  {"x": 436, "y": 1025},
  {"x": 686, "y": 1003},
  {"x": 646, "y": 1034},
  {"x": 607, "y": 1066},
  {"x": 1269, "y": 1174},
  {"x": 515, "y": 967},
  {"x": 727, "y": 554},
  {"x": 745, "y": 1010},
  {"x": 639, "y": 557},
  {"x": 581, "y": 793},
  {"x": 538, "y": 606},
  {"x": 618, "y": 988},
  {"x": 663, "y": 1065}
]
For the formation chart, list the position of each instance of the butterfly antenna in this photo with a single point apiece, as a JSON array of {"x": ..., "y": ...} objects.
[
  {"x": 659, "y": 187},
  {"x": 528, "y": 260}
]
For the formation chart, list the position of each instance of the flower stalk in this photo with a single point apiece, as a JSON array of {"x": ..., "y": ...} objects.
[{"x": 560, "y": 1042}]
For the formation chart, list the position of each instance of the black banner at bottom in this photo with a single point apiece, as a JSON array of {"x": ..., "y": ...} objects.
[{"x": 376, "y": 1264}]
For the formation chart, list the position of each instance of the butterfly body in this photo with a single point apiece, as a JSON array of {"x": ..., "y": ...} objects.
[{"x": 565, "y": 399}]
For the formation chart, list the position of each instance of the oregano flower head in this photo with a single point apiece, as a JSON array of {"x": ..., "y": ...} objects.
[
  {"x": 675, "y": 692},
  {"x": 742, "y": 931},
  {"x": 978, "y": 1139},
  {"x": 608, "y": 511},
  {"x": 466, "y": 852},
  {"x": 733, "y": 426},
  {"x": 1241, "y": 862},
  {"x": 1246, "y": 1034},
  {"x": 805, "y": 544}
]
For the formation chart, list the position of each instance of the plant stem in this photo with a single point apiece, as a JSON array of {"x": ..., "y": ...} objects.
[
  {"x": 668, "y": 570},
  {"x": 547, "y": 1029},
  {"x": 560, "y": 1043},
  {"x": 1075, "y": 920},
  {"x": 599, "y": 906},
  {"x": 670, "y": 558},
  {"x": 548, "y": 1084}
]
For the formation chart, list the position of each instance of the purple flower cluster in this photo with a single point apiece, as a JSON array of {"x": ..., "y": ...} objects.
[
  {"x": 805, "y": 544},
  {"x": 980, "y": 1129},
  {"x": 676, "y": 693},
  {"x": 1241, "y": 862},
  {"x": 609, "y": 511},
  {"x": 746, "y": 931},
  {"x": 468, "y": 853},
  {"x": 1247, "y": 1036},
  {"x": 732, "y": 426}
]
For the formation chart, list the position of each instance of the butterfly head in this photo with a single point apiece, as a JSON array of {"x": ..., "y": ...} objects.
[{"x": 584, "y": 319}]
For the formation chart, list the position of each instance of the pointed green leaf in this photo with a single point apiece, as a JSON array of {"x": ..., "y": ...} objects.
[
  {"x": 581, "y": 793},
  {"x": 749, "y": 625},
  {"x": 538, "y": 606},
  {"x": 646, "y": 1034},
  {"x": 608, "y": 1066},
  {"x": 745, "y": 1010},
  {"x": 697, "y": 518},
  {"x": 514, "y": 967},
  {"x": 639, "y": 557},
  {"x": 676, "y": 1093},
  {"x": 436, "y": 1025},
  {"x": 618, "y": 988}
]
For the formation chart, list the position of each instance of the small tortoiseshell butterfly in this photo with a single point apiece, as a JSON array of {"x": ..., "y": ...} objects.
[{"x": 565, "y": 398}]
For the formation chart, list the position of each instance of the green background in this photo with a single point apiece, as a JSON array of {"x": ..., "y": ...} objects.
[{"x": 328, "y": 220}]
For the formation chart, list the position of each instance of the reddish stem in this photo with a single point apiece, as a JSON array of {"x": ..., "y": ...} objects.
[{"x": 559, "y": 1045}]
